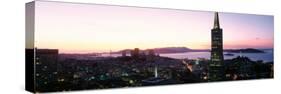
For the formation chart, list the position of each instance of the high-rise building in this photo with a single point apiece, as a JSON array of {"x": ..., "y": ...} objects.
[
  {"x": 151, "y": 52},
  {"x": 216, "y": 69},
  {"x": 46, "y": 68},
  {"x": 135, "y": 53},
  {"x": 124, "y": 53}
]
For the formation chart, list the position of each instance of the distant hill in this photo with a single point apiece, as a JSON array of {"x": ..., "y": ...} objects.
[
  {"x": 172, "y": 50},
  {"x": 185, "y": 49},
  {"x": 247, "y": 50},
  {"x": 168, "y": 50}
]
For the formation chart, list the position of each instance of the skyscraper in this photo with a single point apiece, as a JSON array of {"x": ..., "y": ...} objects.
[
  {"x": 135, "y": 53},
  {"x": 216, "y": 70}
]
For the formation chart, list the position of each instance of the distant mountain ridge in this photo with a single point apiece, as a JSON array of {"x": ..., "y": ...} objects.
[
  {"x": 247, "y": 50},
  {"x": 185, "y": 49},
  {"x": 172, "y": 50},
  {"x": 168, "y": 50}
]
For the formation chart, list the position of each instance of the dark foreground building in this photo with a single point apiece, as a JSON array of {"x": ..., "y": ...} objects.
[
  {"x": 46, "y": 69},
  {"x": 42, "y": 69},
  {"x": 216, "y": 70}
]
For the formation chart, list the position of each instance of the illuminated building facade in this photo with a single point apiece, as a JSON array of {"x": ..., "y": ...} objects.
[{"x": 216, "y": 70}]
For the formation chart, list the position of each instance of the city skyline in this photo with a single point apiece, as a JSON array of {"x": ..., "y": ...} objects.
[
  {"x": 73, "y": 28},
  {"x": 89, "y": 46}
]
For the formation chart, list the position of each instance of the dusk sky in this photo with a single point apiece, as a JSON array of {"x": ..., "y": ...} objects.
[{"x": 84, "y": 28}]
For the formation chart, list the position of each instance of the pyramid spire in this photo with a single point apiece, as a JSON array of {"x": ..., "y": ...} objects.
[{"x": 216, "y": 22}]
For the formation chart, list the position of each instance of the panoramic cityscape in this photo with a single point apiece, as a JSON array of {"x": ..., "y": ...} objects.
[{"x": 131, "y": 47}]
